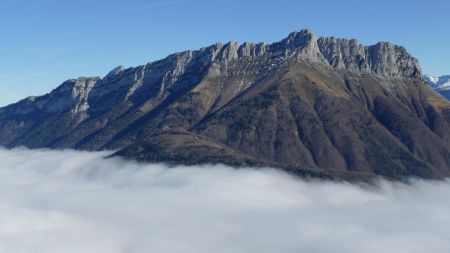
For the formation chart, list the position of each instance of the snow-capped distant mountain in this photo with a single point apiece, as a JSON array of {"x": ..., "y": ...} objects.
[{"x": 440, "y": 83}]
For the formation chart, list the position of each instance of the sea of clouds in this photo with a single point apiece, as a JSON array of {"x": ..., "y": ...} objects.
[{"x": 67, "y": 201}]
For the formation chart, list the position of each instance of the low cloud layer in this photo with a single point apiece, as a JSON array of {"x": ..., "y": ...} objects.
[{"x": 66, "y": 201}]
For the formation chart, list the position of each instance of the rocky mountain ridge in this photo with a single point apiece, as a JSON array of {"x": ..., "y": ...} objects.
[
  {"x": 384, "y": 59},
  {"x": 324, "y": 106}
]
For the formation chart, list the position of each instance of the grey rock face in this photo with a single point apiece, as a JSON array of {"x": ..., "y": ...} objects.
[
  {"x": 72, "y": 96},
  {"x": 390, "y": 60},
  {"x": 343, "y": 54},
  {"x": 302, "y": 45},
  {"x": 384, "y": 59}
]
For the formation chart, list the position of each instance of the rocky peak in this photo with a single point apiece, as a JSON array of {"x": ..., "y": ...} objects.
[
  {"x": 302, "y": 44},
  {"x": 299, "y": 39},
  {"x": 384, "y": 59},
  {"x": 76, "y": 87},
  {"x": 116, "y": 71},
  {"x": 72, "y": 95},
  {"x": 343, "y": 54},
  {"x": 390, "y": 60}
]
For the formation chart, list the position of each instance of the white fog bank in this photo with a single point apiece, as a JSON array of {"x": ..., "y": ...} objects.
[{"x": 77, "y": 202}]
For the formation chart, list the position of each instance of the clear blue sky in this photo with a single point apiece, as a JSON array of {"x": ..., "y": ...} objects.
[{"x": 45, "y": 42}]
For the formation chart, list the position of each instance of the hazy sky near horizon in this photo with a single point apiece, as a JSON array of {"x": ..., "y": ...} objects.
[{"x": 46, "y": 42}]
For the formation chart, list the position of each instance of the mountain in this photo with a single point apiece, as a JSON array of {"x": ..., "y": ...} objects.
[
  {"x": 325, "y": 107},
  {"x": 439, "y": 83}
]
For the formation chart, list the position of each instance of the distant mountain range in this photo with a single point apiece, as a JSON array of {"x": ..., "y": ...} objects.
[
  {"x": 324, "y": 107},
  {"x": 440, "y": 83}
]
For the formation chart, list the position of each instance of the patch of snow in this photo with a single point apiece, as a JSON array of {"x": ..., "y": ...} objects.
[{"x": 438, "y": 82}]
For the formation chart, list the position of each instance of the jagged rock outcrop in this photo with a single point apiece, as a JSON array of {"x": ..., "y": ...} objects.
[
  {"x": 324, "y": 107},
  {"x": 343, "y": 54},
  {"x": 385, "y": 59}
]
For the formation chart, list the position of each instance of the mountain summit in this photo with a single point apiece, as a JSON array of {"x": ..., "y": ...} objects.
[{"x": 313, "y": 106}]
